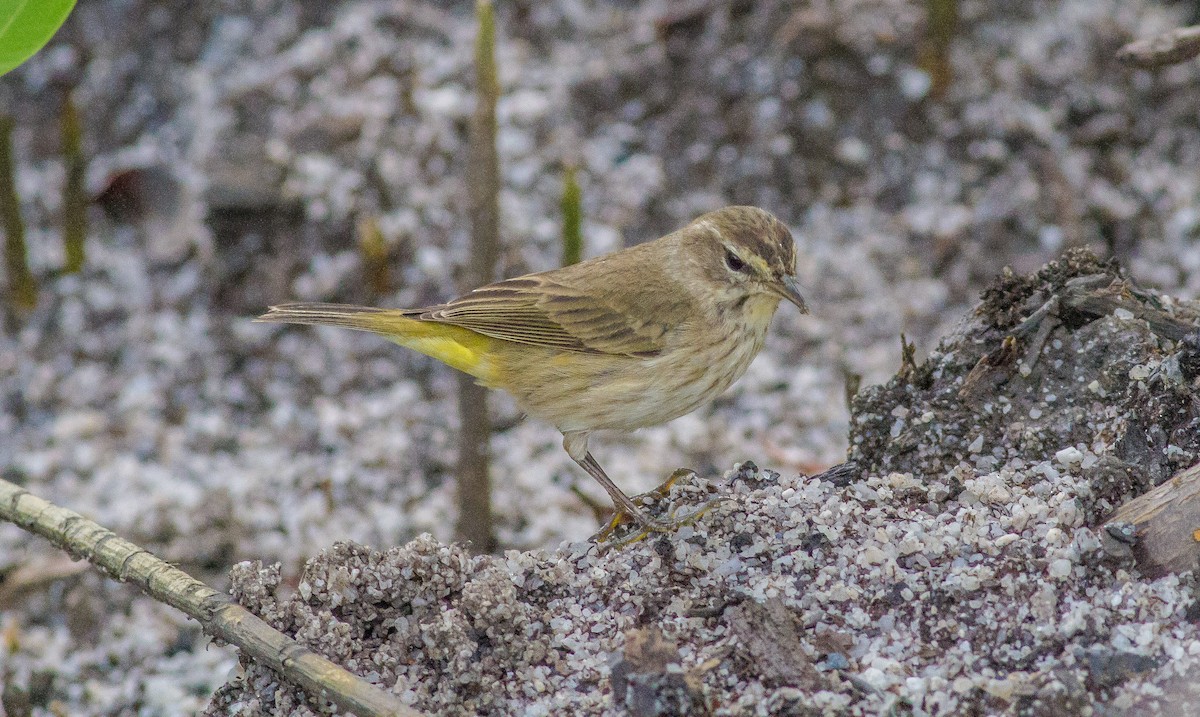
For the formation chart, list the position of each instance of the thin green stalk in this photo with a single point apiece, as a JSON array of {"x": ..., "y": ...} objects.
[
  {"x": 941, "y": 26},
  {"x": 375, "y": 254},
  {"x": 572, "y": 217},
  {"x": 21, "y": 284},
  {"x": 75, "y": 198}
]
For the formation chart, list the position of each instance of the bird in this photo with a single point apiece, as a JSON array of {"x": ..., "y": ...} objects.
[{"x": 622, "y": 341}]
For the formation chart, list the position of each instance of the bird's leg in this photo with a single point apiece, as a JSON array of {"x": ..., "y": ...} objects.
[
  {"x": 662, "y": 492},
  {"x": 575, "y": 443}
]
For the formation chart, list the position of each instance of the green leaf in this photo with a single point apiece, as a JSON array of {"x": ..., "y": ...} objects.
[{"x": 26, "y": 25}]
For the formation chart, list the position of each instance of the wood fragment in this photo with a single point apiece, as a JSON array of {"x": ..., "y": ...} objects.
[
  {"x": 648, "y": 678},
  {"x": 1091, "y": 297},
  {"x": 215, "y": 611},
  {"x": 1122, "y": 295},
  {"x": 770, "y": 633},
  {"x": 1165, "y": 524},
  {"x": 991, "y": 371},
  {"x": 1169, "y": 48}
]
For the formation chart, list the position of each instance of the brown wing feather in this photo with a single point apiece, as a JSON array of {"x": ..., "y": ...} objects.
[{"x": 546, "y": 310}]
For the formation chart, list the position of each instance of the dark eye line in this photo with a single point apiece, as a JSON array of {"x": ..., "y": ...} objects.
[{"x": 733, "y": 261}]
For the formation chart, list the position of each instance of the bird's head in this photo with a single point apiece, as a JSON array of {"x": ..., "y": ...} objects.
[{"x": 749, "y": 258}]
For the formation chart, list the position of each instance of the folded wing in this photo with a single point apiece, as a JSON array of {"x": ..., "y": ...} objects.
[{"x": 548, "y": 311}]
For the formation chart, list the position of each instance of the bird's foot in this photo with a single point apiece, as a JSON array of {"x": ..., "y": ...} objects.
[
  {"x": 643, "y": 525},
  {"x": 640, "y": 531}
]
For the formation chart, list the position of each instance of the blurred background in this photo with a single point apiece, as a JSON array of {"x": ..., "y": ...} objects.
[{"x": 225, "y": 156}]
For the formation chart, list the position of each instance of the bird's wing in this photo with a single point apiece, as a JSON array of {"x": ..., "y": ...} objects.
[{"x": 541, "y": 310}]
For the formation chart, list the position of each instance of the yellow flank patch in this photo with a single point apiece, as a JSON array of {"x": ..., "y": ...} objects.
[
  {"x": 455, "y": 346},
  {"x": 448, "y": 351}
]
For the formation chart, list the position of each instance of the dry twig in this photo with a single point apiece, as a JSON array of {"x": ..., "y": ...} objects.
[
  {"x": 1169, "y": 48},
  {"x": 216, "y": 613}
]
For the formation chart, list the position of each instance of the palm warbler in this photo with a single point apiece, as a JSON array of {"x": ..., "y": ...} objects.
[{"x": 623, "y": 341}]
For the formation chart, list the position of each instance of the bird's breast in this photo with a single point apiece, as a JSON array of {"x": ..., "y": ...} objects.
[{"x": 583, "y": 392}]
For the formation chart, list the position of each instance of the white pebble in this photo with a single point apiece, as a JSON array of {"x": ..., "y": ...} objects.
[
  {"x": 1069, "y": 456},
  {"x": 1060, "y": 568}
]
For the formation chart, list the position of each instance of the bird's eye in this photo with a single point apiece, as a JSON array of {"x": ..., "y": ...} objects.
[{"x": 733, "y": 261}]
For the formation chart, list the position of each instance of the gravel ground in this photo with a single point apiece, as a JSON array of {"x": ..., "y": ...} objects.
[
  {"x": 955, "y": 567},
  {"x": 139, "y": 394}
]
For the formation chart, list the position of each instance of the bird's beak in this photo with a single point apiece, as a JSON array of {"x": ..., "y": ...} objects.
[{"x": 787, "y": 289}]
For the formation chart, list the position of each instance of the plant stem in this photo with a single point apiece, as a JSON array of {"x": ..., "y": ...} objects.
[
  {"x": 483, "y": 186},
  {"x": 75, "y": 199},
  {"x": 572, "y": 217},
  {"x": 21, "y": 284}
]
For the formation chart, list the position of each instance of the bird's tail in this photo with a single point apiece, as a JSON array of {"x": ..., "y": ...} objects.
[
  {"x": 363, "y": 318},
  {"x": 461, "y": 348}
]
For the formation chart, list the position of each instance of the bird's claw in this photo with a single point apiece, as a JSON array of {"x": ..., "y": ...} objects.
[
  {"x": 659, "y": 526},
  {"x": 646, "y": 525}
]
